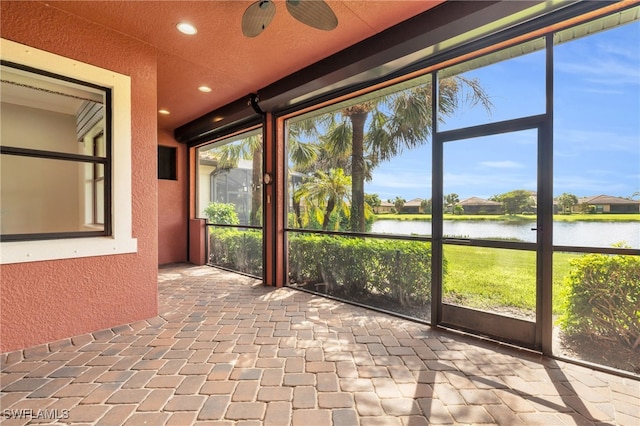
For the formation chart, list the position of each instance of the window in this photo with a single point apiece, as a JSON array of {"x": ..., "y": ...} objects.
[
  {"x": 167, "y": 162},
  {"x": 65, "y": 183},
  {"x": 55, "y": 156}
]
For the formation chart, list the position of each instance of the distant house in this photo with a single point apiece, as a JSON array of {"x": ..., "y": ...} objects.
[
  {"x": 477, "y": 205},
  {"x": 384, "y": 207},
  {"x": 608, "y": 204},
  {"x": 225, "y": 185},
  {"x": 413, "y": 206}
]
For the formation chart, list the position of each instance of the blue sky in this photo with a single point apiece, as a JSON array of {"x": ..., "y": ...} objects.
[{"x": 596, "y": 136}]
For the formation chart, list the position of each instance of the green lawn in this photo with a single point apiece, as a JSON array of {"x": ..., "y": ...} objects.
[
  {"x": 486, "y": 278},
  {"x": 603, "y": 217}
]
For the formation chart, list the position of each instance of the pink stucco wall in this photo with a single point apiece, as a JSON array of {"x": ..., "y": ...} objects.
[
  {"x": 46, "y": 301},
  {"x": 172, "y": 207}
]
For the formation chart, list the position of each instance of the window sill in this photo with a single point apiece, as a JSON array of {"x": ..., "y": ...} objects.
[{"x": 35, "y": 251}]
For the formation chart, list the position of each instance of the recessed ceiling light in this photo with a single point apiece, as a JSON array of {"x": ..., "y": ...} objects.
[
  {"x": 204, "y": 89},
  {"x": 164, "y": 112},
  {"x": 186, "y": 28},
  {"x": 216, "y": 119}
]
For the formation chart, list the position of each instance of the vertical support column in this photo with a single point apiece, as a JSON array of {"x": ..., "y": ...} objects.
[
  {"x": 274, "y": 201},
  {"x": 436, "y": 208},
  {"x": 197, "y": 242},
  {"x": 192, "y": 170},
  {"x": 545, "y": 214}
]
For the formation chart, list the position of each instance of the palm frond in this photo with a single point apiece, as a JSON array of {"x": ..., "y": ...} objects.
[{"x": 338, "y": 139}]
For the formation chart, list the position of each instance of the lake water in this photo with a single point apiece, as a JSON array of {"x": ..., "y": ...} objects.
[{"x": 585, "y": 234}]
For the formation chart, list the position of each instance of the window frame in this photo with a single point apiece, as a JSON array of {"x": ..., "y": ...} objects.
[
  {"x": 118, "y": 239},
  {"x": 93, "y": 159}
]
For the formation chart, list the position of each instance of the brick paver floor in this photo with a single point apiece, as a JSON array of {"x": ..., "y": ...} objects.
[{"x": 225, "y": 350}]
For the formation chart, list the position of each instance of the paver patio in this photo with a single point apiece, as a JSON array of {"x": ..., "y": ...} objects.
[{"x": 226, "y": 350}]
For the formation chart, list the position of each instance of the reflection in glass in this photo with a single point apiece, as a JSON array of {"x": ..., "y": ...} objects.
[
  {"x": 46, "y": 119},
  {"x": 41, "y": 195},
  {"x": 67, "y": 114}
]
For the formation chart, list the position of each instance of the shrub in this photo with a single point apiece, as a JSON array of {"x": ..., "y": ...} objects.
[
  {"x": 400, "y": 270},
  {"x": 303, "y": 253},
  {"x": 237, "y": 250},
  {"x": 222, "y": 213},
  {"x": 603, "y": 297}
]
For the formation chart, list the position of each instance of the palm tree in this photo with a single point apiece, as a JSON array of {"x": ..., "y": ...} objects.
[
  {"x": 425, "y": 205},
  {"x": 398, "y": 203},
  {"x": 249, "y": 148},
  {"x": 566, "y": 201},
  {"x": 379, "y": 129},
  {"x": 325, "y": 193},
  {"x": 451, "y": 200},
  {"x": 516, "y": 201}
]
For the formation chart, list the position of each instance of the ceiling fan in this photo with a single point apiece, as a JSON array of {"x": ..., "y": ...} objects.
[{"x": 315, "y": 13}]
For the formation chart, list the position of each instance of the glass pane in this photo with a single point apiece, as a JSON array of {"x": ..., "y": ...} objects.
[
  {"x": 230, "y": 180},
  {"x": 596, "y": 134},
  {"x": 99, "y": 146},
  {"x": 364, "y": 165},
  {"x": 44, "y": 196},
  {"x": 99, "y": 202},
  {"x": 503, "y": 85},
  {"x": 499, "y": 281},
  {"x": 50, "y": 114},
  {"x": 387, "y": 274},
  {"x": 490, "y": 187},
  {"x": 236, "y": 249},
  {"x": 595, "y": 308}
]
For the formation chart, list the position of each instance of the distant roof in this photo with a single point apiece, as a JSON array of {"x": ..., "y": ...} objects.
[
  {"x": 414, "y": 202},
  {"x": 606, "y": 199},
  {"x": 477, "y": 201}
]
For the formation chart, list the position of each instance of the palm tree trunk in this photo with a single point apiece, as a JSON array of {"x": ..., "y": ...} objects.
[
  {"x": 357, "y": 172},
  {"x": 296, "y": 211},
  {"x": 256, "y": 186},
  {"x": 327, "y": 213}
]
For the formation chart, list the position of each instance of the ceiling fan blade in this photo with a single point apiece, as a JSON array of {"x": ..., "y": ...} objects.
[
  {"x": 315, "y": 13},
  {"x": 257, "y": 17}
]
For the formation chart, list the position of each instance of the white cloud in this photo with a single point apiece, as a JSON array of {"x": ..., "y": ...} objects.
[
  {"x": 602, "y": 71},
  {"x": 502, "y": 164},
  {"x": 593, "y": 140},
  {"x": 400, "y": 180}
]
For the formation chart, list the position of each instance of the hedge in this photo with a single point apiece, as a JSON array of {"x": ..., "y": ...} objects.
[
  {"x": 237, "y": 250},
  {"x": 400, "y": 270}
]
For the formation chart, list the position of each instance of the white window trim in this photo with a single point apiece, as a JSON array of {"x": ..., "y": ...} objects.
[{"x": 121, "y": 240}]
